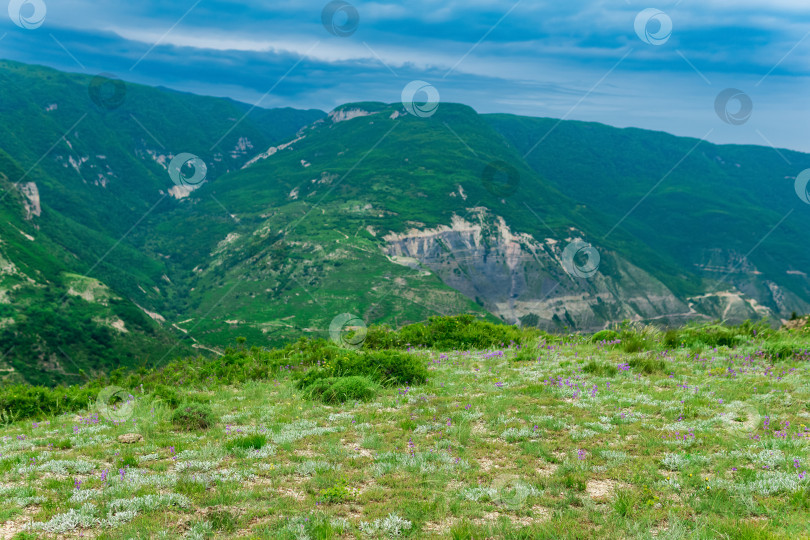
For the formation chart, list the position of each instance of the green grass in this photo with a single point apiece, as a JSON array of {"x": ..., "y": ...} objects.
[
  {"x": 248, "y": 442},
  {"x": 563, "y": 444}
]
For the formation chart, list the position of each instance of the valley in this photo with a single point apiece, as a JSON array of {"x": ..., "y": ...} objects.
[{"x": 303, "y": 215}]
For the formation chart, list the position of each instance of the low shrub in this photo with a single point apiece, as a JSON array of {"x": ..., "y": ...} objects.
[
  {"x": 527, "y": 354},
  {"x": 635, "y": 337},
  {"x": 648, "y": 365},
  {"x": 167, "y": 394},
  {"x": 336, "y": 493},
  {"x": 23, "y": 401},
  {"x": 386, "y": 367},
  {"x": 602, "y": 370},
  {"x": 708, "y": 335},
  {"x": 605, "y": 335},
  {"x": 247, "y": 442},
  {"x": 460, "y": 332},
  {"x": 192, "y": 416},
  {"x": 342, "y": 389},
  {"x": 632, "y": 342}
]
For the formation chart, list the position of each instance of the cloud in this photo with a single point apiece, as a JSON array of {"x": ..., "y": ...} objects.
[{"x": 546, "y": 58}]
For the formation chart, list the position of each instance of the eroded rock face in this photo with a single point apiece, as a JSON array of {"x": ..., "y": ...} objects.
[
  {"x": 343, "y": 115},
  {"x": 520, "y": 278},
  {"x": 33, "y": 207},
  {"x": 754, "y": 295}
]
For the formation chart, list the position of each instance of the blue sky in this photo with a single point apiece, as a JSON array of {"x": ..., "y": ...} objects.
[{"x": 579, "y": 60}]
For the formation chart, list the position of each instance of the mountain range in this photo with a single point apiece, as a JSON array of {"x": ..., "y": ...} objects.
[{"x": 114, "y": 253}]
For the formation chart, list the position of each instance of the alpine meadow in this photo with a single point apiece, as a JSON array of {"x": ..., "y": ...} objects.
[{"x": 473, "y": 270}]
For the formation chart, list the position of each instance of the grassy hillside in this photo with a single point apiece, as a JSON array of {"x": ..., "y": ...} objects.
[{"x": 451, "y": 428}]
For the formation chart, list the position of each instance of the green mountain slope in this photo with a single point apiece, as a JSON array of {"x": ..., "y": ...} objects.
[
  {"x": 716, "y": 213},
  {"x": 79, "y": 180},
  {"x": 55, "y": 325},
  {"x": 369, "y": 211},
  {"x": 379, "y": 213}
]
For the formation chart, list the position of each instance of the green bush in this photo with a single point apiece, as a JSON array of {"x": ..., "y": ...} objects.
[
  {"x": 605, "y": 335},
  {"x": 22, "y": 401},
  {"x": 386, "y": 367},
  {"x": 460, "y": 332},
  {"x": 708, "y": 335},
  {"x": 247, "y": 442},
  {"x": 338, "y": 492},
  {"x": 342, "y": 389},
  {"x": 527, "y": 354},
  {"x": 648, "y": 365},
  {"x": 636, "y": 337},
  {"x": 191, "y": 416},
  {"x": 602, "y": 370},
  {"x": 633, "y": 342},
  {"x": 167, "y": 394}
]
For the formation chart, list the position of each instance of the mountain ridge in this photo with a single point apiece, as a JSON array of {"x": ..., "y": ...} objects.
[{"x": 372, "y": 211}]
